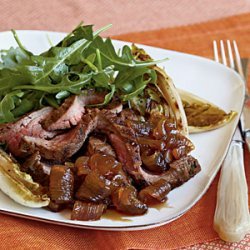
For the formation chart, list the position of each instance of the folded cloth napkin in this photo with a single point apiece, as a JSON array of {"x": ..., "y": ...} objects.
[{"x": 196, "y": 226}]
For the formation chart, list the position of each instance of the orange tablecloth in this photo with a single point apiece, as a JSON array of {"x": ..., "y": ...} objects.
[
  {"x": 196, "y": 226},
  {"x": 139, "y": 15}
]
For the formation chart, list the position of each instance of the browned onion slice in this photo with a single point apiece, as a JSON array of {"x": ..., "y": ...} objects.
[
  {"x": 61, "y": 186},
  {"x": 154, "y": 162},
  {"x": 86, "y": 211},
  {"x": 152, "y": 143},
  {"x": 125, "y": 200},
  {"x": 81, "y": 165},
  {"x": 94, "y": 188},
  {"x": 155, "y": 193}
]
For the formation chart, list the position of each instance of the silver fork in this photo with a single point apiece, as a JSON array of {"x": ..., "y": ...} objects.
[{"x": 231, "y": 219}]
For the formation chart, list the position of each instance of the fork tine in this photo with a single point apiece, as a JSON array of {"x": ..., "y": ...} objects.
[
  {"x": 216, "y": 56},
  {"x": 237, "y": 59},
  {"x": 230, "y": 54},
  {"x": 223, "y": 54}
]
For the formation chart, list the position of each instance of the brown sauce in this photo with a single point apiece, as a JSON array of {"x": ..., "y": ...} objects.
[
  {"x": 160, "y": 206},
  {"x": 113, "y": 215}
]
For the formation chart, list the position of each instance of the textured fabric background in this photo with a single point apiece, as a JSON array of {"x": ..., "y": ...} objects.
[
  {"x": 156, "y": 19},
  {"x": 126, "y": 16}
]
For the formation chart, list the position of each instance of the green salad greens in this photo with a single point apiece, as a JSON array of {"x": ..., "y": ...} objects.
[{"x": 82, "y": 60}]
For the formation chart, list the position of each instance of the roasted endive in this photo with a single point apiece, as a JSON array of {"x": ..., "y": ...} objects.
[
  {"x": 203, "y": 115},
  {"x": 168, "y": 90},
  {"x": 18, "y": 185},
  {"x": 191, "y": 113}
]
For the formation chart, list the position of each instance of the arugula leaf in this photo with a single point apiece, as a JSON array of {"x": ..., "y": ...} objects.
[
  {"x": 7, "y": 104},
  {"x": 28, "y": 53},
  {"x": 79, "y": 33},
  {"x": 66, "y": 53},
  {"x": 126, "y": 76},
  {"x": 51, "y": 100},
  {"x": 9, "y": 79},
  {"x": 139, "y": 86},
  {"x": 108, "y": 52},
  {"x": 82, "y": 60},
  {"x": 68, "y": 83},
  {"x": 24, "y": 106},
  {"x": 82, "y": 44},
  {"x": 12, "y": 57}
]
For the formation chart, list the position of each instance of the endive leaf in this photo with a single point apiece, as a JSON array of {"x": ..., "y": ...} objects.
[
  {"x": 203, "y": 115},
  {"x": 168, "y": 90},
  {"x": 18, "y": 185}
]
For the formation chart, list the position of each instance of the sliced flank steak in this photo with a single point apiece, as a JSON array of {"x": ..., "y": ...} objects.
[
  {"x": 29, "y": 125},
  {"x": 62, "y": 146},
  {"x": 71, "y": 111}
]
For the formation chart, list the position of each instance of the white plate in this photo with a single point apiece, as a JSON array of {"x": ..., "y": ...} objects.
[{"x": 201, "y": 76}]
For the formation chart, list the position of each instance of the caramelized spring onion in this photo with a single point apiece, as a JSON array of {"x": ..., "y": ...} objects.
[
  {"x": 94, "y": 188},
  {"x": 151, "y": 161},
  {"x": 18, "y": 185},
  {"x": 81, "y": 164},
  {"x": 109, "y": 168},
  {"x": 86, "y": 211},
  {"x": 155, "y": 193},
  {"x": 103, "y": 163},
  {"x": 156, "y": 144},
  {"x": 61, "y": 186},
  {"x": 125, "y": 200},
  {"x": 37, "y": 169},
  {"x": 203, "y": 115}
]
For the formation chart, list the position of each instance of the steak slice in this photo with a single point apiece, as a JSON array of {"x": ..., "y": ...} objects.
[
  {"x": 62, "y": 146},
  {"x": 97, "y": 145},
  {"x": 39, "y": 170},
  {"x": 114, "y": 107},
  {"x": 71, "y": 111},
  {"x": 29, "y": 125},
  {"x": 123, "y": 140},
  {"x": 128, "y": 154},
  {"x": 180, "y": 171}
]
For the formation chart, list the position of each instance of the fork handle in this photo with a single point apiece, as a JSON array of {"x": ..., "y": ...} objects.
[{"x": 231, "y": 220}]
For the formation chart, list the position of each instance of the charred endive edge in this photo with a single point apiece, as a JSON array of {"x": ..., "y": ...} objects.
[
  {"x": 18, "y": 185},
  {"x": 168, "y": 90},
  {"x": 203, "y": 109}
]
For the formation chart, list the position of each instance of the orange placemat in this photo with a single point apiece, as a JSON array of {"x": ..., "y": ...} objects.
[
  {"x": 197, "y": 39},
  {"x": 196, "y": 226}
]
